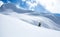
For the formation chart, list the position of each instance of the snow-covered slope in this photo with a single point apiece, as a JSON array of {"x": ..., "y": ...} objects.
[
  {"x": 29, "y": 17},
  {"x": 35, "y": 20},
  {"x": 14, "y": 27}
]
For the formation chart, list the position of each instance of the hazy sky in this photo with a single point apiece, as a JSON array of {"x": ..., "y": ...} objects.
[{"x": 37, "y": 5}]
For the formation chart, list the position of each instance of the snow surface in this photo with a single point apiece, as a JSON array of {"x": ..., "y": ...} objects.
[{"x": 14, "y": 27}]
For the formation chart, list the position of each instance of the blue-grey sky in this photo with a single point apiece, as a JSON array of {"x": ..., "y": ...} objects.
[
  {"x": 28, "y": 4},
  {"x": 52, "y": 6}
]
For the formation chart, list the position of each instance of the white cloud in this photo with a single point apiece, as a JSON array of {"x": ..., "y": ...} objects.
[
  {"x": 1, "y": 3},
  {"x": 17, "y": 6},
  {"x": 51, "y": 5},
  {"x": 23, "y": 0},
  {"x": 31, "y": 4}
]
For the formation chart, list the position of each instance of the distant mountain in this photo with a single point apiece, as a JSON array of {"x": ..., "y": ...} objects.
[{"x": 14, "y": 8}]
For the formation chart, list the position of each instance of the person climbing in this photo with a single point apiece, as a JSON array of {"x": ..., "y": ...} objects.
[{"x": 39, "y": 24}]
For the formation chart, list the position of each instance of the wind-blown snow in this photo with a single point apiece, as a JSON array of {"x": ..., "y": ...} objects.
[{"x": 14, "y": 27}]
